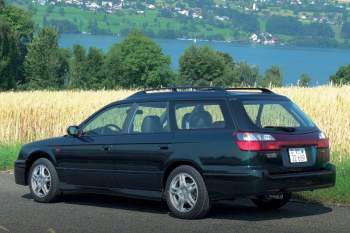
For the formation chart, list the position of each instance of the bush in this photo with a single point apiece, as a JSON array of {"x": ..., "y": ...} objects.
[
  {"x": 342, "y": 76},
  {"x": 304, "y": 80}
]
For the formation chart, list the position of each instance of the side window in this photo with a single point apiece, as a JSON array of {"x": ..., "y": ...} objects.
[
  {"x": 151, "y": 118},
  {"x": 199, "y": 115},
  {"x": 109, "y": 122},
  {"x": 252, "y": 111}
]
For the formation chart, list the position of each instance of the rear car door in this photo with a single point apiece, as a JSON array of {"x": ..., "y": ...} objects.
[
  {"x": 204, "y": 131},
  {"x": 142, "y": 152}
]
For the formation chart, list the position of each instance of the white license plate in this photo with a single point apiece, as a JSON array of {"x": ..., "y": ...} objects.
[{"x": 297, "y": 155}]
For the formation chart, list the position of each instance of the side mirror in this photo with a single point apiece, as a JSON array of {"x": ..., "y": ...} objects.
[{"x": 73, "y": 131}]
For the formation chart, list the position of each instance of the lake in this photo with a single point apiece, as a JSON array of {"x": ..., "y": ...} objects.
[{"x": 319, "y": 63}]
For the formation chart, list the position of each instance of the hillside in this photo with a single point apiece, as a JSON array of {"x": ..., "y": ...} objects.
[{"x": 308, "y": 23}]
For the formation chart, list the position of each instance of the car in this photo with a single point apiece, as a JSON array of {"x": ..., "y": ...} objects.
[{"x": 188, "y": 146}]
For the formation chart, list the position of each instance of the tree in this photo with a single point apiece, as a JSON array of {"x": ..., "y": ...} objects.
[
  {"x": 230, "y": 77},
  {"x": 304, "y": 80},
  {"x": 246, "y": 75},
  {"x": 289, "y": 25},
  {"x": 64, "y": 55},
  {"x": 202, "y": 66},
  {"x": 2, "y": 4},
  {"x": 77, "y": 71},
  {"x": 49, "y": 9},
  {"x": 62, "y": 26},
  {"x": 8, "y": 56},
  {"x": 43, "y": 62},
  {"x": 273, "y": 77},
  {"x": 229, "y": 61},
  {"x": 94, "y": 69},
  {"x": 19, "y": 24},
  {"x": 342, "y": 76},
  {"x": 138, "y": 62},
  {"x": 113, "y": 68}
]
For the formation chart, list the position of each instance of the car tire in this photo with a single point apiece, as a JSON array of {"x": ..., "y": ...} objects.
[
  {"x": 272, "y": 202},
  {"x": 43, "y": 181},
  {"x": 186, "y": 193}
]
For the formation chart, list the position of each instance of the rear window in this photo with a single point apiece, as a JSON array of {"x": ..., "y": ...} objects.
[{"x": 277, "y": 115}]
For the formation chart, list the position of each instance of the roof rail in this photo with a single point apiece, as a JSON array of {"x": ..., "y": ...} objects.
[
  {"x": 263, "y": 90},
  {"x": 192, "y": 88},
  {"x": 175, "y": 89},
  {"x": 182, "y": 88}
]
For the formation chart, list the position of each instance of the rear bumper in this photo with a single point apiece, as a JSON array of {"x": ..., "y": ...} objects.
[
  {"x": 251, "y": 182},
  {"x": 20, "y": 172}
]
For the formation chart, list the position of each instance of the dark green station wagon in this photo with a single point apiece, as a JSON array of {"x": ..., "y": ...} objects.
[{"x": 188, "y": 146}]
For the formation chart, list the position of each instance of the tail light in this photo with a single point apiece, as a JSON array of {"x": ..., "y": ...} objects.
[
  {"x": 322, "y": 141},
  {"x": 256, "y": 142},
  {"x": 250, "y": 141}
]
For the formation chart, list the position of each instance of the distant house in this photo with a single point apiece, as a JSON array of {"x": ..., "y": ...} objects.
[
  {"x": 151, "y": 6},
  {"x": 42, "y": 2},
  {"x": 303, "y": 17},
  {"x": 93, "y": 6},
  {"x": 264, "y": 38},
  {"x": 255, "y": 7},
  {"x": 221, "y": 18},
  {"x": 197, "y": 16},
  {"x": 107, "y": 4},
  {"x": 184, "y": 12}
]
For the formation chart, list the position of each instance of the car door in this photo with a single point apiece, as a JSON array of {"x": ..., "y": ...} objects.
[
  {"x": 204, "y": 133},
  {"x": 142, "y": 152},
  {"x": 87, "y": 160}
]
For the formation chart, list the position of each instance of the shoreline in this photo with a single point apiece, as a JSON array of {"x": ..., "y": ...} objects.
[{"x": 238, "y": 43}]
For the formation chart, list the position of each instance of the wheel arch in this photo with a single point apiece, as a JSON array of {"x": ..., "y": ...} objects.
[
  {"x": 34, "y": 156},
  {"x": 176, "y": 163}
]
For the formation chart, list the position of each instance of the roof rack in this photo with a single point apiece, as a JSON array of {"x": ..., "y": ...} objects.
[
  {"x": 191, "y": 88},
  {"x": 182, "y": 89},
  {"x": 263, "y": 90}
]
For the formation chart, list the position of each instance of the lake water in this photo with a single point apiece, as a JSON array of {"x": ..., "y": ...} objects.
[{"x": 319, "y": 63}]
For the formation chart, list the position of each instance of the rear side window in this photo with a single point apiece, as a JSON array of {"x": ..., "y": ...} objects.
[
  {"x": 150, "y": 117},
  {"x": 276, "y": 115},
  {"x": 199, "y": 115}
]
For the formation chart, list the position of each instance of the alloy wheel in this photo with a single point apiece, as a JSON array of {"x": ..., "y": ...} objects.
[
  {"x": 41, "y": 180},
  {"x": 183, "y": 192}
]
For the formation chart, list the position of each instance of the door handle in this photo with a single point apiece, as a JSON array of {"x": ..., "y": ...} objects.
[
  {"x": 163, "y": 147},
  {"x": 106, "y": 148}
]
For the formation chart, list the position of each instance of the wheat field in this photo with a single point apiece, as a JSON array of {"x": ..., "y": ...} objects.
[{"x": 28, "y": 116}]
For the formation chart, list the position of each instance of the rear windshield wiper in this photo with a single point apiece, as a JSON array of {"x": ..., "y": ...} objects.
[{"x": 281, "y": 128}]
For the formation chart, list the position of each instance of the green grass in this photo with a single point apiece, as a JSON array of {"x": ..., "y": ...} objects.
[
  {"x": 8, "y": 154},
  {"x": 338, "y": 194},
  {"x": 120, "y": 21}
]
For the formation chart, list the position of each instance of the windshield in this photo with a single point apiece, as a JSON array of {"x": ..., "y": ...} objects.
[{"x": 277, "y": 115}]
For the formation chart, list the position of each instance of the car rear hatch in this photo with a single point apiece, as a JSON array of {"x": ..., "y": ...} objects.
[{"x": 284, "y": 139}]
